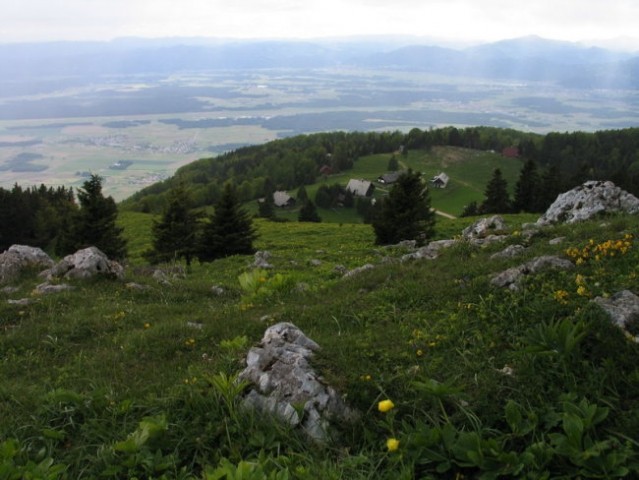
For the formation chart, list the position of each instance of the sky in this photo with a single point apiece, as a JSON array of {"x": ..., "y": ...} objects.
[{"x": 456, "y": 20}]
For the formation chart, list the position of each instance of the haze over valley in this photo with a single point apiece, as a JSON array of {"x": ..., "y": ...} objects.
[{"x": 134, "y": 110}]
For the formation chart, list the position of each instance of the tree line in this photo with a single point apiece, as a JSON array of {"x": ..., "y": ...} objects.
[
  {"x": 289, "y": 163},
  {"x": 50, "y": 218}
]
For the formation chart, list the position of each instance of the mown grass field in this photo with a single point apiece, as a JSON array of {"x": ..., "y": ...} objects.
[{"x": 112, "y": 381}]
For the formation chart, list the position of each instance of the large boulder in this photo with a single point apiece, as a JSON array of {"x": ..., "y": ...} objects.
[
  {"x": 19, "y": 258},
  {"x": 485, "y": 227},
  {"x": 283, "y": 382},
  {"x": 85, "y": 263},
  {"x": 588, "y": 200}
]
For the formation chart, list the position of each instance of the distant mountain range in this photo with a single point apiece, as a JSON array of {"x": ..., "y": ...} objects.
[{"x": 522, "y": 59}]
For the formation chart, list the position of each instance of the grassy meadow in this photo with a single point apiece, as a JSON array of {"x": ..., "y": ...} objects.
[
  {"x": 135, "y": 379},
  {"x": 469, "y": 172}
]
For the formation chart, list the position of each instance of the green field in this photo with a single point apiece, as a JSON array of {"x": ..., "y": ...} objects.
[
  {"x": 113, "y": 381},
  {"x": 469, "y": 172}
]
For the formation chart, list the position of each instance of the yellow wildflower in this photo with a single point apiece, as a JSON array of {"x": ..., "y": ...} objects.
[
  {"x": 561, "y": 296},
  {"x": 147, "y": 325},
  {"x": 385, "y": 406},
  {"x": 419, "y": 353},
  {"x": 392, "y": 444},
  {"x": 581, "y": 291}
]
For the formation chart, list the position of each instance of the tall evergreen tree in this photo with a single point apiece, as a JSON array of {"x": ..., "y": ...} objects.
[
  {"x": 302, "y": 195},
  {"x": 393, "y": 164},
  {"x": 405, "y": 213},
  {"x": 95, "y": 222},
  {"x": 175, "y": 234},
  {"x": 496, "y": 195},
  {"x": 266, "y": 206},
  {"x": 552, "y": 184},
  {"x": 229, "y": 230},
  {"x": 527, "y": 189},
  {"x": 308, "y": 213}
]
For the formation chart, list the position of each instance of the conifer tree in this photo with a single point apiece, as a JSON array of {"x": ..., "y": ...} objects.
[
  {"x": 527, "y": 189},
  {"x": 95, "y": 222},
  {"x": 302, "y": 195},
  {"x": 229, "y": 230},
  {"x": 308, "y": 213},
  {"x": 266, "y": 206},
  {"x": 552, "y": 184},
  {"x": 175, "y": 234},
  {"x": 405, "y": 213},
  {"x": 496, "y": 195}
]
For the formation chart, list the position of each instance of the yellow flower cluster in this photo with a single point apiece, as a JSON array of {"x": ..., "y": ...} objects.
[
  {"x": 561, "y": 296},
  {"x": 190, "y": 342},
  {"x": 599, "y": 251}
]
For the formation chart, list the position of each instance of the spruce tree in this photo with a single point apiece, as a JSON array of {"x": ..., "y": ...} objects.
[
  {"x": 175, "y": 234},
  {"x": 405, "y": 213},
  {"x": 302, "y": 195},
  {"x": 496, "y": 195},
  {"x": 229, "y": 230},
  {"x": 266, "y": 206},
  {"x": 308, "y": 213},
  {"x": 552, "y": 184},
  {"x": 527, "y": 189},
  {"x": 95, "y": 222}
]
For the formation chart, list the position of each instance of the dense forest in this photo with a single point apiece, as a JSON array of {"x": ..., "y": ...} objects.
[{"x": 567, "y": 158}]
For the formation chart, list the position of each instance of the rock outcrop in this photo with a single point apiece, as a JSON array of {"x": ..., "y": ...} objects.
[
  {"x": 18, "y": 258},
  {"x": 623, "y": 309},
  {"x": 588, "y": 200},
  {"x": 512, "y": 277},
  {"x": 85, "y": 263},
  {"x": 485, "y": 227},
  {"x": 430, "y": 251},
  {"x": 284, "y": 383}
]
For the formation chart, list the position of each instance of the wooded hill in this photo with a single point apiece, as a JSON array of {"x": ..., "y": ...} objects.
[{"x": 286, "y": 164}]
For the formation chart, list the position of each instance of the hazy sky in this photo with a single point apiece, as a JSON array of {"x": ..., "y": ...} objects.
[{"x": 575, "y": 20}]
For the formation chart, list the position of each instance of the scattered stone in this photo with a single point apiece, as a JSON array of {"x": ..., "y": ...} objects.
[
  {"x": 556, "y": 241},
  {"x": 261, "y": 259},
  {"x": 301, "y": 287},
  {"x": 484, "y": 227},
  {"x": 282, "y": 379},
  {"x": 85, "y": 263},
  {"x": 315, "y": 262},
  {"x": 9, "y": 290},
  {"x": 588, "y": 200},
  {"x": 430, "y": 251},
  {"x": 266, "y": 318},
  {"x": 161, "y": 277},
  {"x": 217, "y": 290},
  {"x": 406, "y": 244},
  {"x": 511, "y": 251},
  {"x": 48, "y": 288},
  {"x": 23, "y": 302},
  {"x": 136, "y": 286},
  {"x": 511, "y": 277},
  {"x": 195, "y": 325},
  {"x": 340, "y": 269},
  {"x": 18, "y": 258},
  {"x": 358, "y": 270},
  {"x": 623, "y": 309}
]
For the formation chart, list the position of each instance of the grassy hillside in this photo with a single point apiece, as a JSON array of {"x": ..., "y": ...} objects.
[
  {"x": 113, "y": 381},
  {"x": 469, "y": 172}
]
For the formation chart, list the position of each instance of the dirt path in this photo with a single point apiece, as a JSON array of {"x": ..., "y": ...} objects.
[{"x": 444, "y": 214}]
